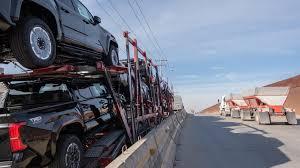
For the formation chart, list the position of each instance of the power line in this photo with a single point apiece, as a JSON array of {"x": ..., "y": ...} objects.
[
  {"x": 125, "y": 22},
  {"x": 119, "y": 14},
  {"x": 155, "y": 41},
  {"x": 112, "y": 18},
  {"x": 123, "y": 19},
  {"x": 149, "y": 27},
  {"x": 139, "y": 20}
]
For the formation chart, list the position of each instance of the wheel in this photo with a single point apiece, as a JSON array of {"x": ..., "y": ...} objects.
[
  {"x": 242, "y": 115},
  {"x": 69, "y": 153},
  {"x": 291, "y": 118},
  {"x": 33, "y": 44},
  {"x": 113, "y": 57},
  {"x": 257, "y": 117}
]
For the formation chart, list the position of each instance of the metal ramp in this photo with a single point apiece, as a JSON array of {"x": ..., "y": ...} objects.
[{"x": 100, "y": 146}]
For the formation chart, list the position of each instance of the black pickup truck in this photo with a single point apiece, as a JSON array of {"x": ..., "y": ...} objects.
[
  {"x": 39, "y": 33},
  {"x": 54, "y": 123}
]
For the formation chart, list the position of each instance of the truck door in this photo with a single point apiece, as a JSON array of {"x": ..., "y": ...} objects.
[
  {"x": 88, "y": 104},
  {"x": 93, "y": 32},
  {"x": 101, "y": 94},
  {"x": 71, "y": 21}
]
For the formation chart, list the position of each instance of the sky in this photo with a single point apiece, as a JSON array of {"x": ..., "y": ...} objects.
[{"x": 213, "y": 47}]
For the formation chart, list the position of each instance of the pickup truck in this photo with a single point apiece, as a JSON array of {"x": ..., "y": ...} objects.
[
  {"x": 38, "y": 33},
  {"x": 52, "y": 122}
]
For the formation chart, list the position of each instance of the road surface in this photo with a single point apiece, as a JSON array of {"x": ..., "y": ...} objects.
[{"x": 210, "y": 141}]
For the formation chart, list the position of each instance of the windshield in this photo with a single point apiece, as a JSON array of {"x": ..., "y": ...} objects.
[{"x": 31, "y": 94}]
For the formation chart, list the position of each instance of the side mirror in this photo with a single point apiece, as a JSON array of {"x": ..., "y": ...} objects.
[{"x": 97, "y": 20}]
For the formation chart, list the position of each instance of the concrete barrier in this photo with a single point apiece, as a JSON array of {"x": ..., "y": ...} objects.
[{"x": 156, "y": 149}]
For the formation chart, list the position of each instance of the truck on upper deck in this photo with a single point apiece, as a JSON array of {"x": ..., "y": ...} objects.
[{"x": 38, "y": 33}]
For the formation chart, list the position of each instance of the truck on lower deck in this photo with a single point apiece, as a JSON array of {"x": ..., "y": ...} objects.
[{"x": 57, "y": 122}]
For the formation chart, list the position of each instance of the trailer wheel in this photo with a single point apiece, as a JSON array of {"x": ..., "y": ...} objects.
[
  {"x": 113, "y": 57},
  {"x": 242, "y": 115},
  {"x": 32, "y": 43},
  {"x": 256, "y": 117},
  {"x": 69, "y": 152},
  {"x": 264, "y": 118},
  {"x": 291, "y": 118}
]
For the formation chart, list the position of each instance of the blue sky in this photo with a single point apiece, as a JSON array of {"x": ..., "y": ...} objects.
[{"x": 214, "y": 47}]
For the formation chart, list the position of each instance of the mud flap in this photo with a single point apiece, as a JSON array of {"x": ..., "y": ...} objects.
[
  {"x": 291, "y": 118},
  {"x": 235, "y": 113},
  {"x": 246, "y": 115},
  {"x": 263, "y": 117}
]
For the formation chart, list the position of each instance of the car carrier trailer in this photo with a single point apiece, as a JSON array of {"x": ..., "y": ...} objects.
[
  {"x": 104, "y": 144},
  {"x": 135, "y": 117},
  {"x": 103, "y": 150},
  {"x": 265, "y": 102}
]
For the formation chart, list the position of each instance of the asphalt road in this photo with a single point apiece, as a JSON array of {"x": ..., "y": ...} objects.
[{"x": 210, "y": 141}]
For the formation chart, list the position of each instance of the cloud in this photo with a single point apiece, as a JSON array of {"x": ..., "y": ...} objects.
[{"x": 216, "y": 46}]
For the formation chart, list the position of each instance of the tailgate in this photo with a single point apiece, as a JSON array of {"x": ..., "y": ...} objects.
[{"x": 5, "y": 152}]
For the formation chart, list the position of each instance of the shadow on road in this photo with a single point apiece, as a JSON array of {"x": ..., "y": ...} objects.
[{"x": 211, "y": 142}]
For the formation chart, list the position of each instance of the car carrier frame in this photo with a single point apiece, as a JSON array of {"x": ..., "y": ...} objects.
[{"x": 136, "y": 114}]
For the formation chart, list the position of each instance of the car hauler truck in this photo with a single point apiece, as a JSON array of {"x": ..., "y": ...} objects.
[
  {"x": 267, "y": 102},
  {"x": 75, "y": 115}
]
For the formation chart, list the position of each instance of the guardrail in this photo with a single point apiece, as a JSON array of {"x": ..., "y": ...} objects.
[{"x": 156, "y": 149}]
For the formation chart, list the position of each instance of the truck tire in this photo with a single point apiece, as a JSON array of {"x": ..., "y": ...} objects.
[
  {"x": 69, "y": 153},
  {"x": 32, "y": 43},
  {"x": 113, "y": 57}
]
